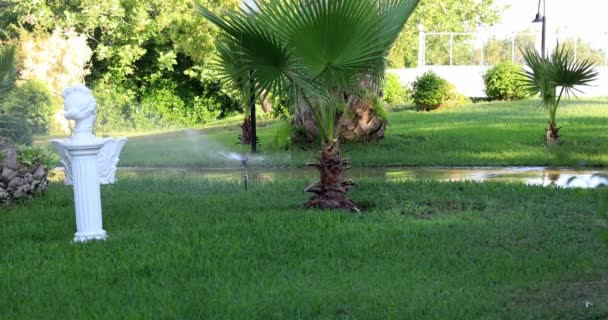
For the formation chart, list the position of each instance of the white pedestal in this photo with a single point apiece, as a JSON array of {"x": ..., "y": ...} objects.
[{"x": 87, "y": 196}]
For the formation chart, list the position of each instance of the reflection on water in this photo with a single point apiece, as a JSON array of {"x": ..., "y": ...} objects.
[{"x": 561, "y": 177}]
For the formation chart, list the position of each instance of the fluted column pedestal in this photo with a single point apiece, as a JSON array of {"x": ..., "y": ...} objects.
[{"x": 87, "y": 195}]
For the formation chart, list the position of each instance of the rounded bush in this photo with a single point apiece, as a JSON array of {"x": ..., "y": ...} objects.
[
  {"x": 503, "y": 82},
  {"x": 34, "y": 102},
  {"x": 430, "y": 91},
  {"x": 393, "y": 91},
  {"x": 14, "y": 129}
]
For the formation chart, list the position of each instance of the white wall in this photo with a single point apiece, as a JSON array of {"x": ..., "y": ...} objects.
[{"x": 469, "y": 79}]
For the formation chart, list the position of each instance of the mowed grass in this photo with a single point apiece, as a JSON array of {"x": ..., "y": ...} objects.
[
  {"x": 199, "y": 249},
  {"x": 482, "y": 134}
]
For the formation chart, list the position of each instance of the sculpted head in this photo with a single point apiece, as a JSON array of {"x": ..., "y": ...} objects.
[{"x": 79, "y": 102}]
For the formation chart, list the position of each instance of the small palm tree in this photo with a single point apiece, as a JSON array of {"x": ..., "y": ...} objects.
[
  {"x": 553, "y": 77},
  {"x": 311, "y": 53},
  {"x": 7, "y": 68}
]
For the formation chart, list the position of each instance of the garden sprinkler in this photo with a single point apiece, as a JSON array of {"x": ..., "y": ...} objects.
[{"x": 246, "y": 175}]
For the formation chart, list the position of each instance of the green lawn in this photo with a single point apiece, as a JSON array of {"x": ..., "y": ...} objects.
[
  {"x": 483, "y": 134},
  {"x": 188, "y": 248}
]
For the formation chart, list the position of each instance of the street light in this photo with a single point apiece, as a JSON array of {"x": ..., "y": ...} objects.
[
  {"x": 542, "y": 18},
  {"x": 250, "y": 7}
]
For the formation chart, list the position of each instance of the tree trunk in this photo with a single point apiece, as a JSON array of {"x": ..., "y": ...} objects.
[
  {"x": 245, "y": 137},
  {"x": 303, "y": 119},
  {"x": 360, "y": 121},
  {"x": 330, "y": 191},
  {"x": 552, "y": 134}
]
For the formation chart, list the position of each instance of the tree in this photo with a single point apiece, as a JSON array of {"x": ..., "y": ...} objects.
[
  {"x": 448, "y": 15},
  {"x": 7, "y": 68},
  {"x": 142, "y": 48},
  {"x": 312, "y": 53},
  {"x": 559, "y": 71},
  {"x": 584, "y": 50}
]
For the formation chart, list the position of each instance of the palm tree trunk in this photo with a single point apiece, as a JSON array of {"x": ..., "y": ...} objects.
[
  {"x": 330, "y": 191},
  {"x": 552, "y": 133},
  {"x": 245, "y": 137}
]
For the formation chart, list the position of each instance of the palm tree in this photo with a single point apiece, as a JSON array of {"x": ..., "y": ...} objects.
[
  {"x": 553, "y": 77},
  {"x": 7, "y": 68},
  {"x": 312, "y": 53}
]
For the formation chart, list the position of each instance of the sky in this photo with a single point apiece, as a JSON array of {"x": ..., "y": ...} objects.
[{"x": 585, "y": 18}]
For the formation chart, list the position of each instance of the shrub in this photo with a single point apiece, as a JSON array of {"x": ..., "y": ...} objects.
[
  {"x": 393, "y": 91},
  {"x": 431, "y": 91},
  {"x": 282, "y": 135},
  {"x": 7, "y": 68},
  {"x": 114, "y": 104},
  {"x": 14, "y": 129},
  {"x": 160, "y": 108},
  {"x": 33, "y": 101},
  {"x": 503, "y": 82},
  {"x": 379, "y": 108}
]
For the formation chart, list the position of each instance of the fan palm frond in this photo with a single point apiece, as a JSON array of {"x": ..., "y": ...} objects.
[
  {"x": 310, "y": 50},
  {"x": 568, "y": 72},
  {"x": 560, "y": 71}
]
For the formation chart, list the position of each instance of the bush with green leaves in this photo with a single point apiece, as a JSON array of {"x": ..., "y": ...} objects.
[
  {"x": 504, "y": 82},
  {"x": 34, "y": 102},
  {"x": 32, "y": 156},
  {"x": 394, "y": 91},
  {"x": 14, "y": 129},
  {"x": 7, "y": 68},
  {"x": 430, "y": 92}
]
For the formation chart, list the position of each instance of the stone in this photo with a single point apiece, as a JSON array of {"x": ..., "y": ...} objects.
[
  {"x": 15, "y": 183},
  {"x": 11, "y": 158},
  {"x": 40, "y": 173},
  {"x": 8, "y": 174}
]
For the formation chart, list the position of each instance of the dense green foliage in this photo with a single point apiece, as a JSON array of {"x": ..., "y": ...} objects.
[
  {"x": 7, "y": 69},
  {"x": 481, "y": 134},
  {"x": 422, "y": 251},
  {"x": 14, "y": 129},
  {"x": 430, "y": 91},
  {"x": 504, "y": 81},
  {"x": 32, "y": 101},
  {"x": 155, "y": 52},
  {"x": 33, "y": 156},
  {"x": 394, "y": 92}
]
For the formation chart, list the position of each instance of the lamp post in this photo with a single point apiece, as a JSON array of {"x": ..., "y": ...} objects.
[
  {"x": 250, "y": 7},
  {"x": 542, "y": 18},
  {"x": 254, "y": 140}
]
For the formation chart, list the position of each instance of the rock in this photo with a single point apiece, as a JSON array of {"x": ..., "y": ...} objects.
[
  {"x": 3, "y": 195},
  {"x": 18, "y": 181},
  {"x": 15, "y": 183},
  {"x": 11, "y": 158},
  {"x": 28, "y": 178},
  {"x": 7, "y": 174},
  {"x": 39, "y": 173}
]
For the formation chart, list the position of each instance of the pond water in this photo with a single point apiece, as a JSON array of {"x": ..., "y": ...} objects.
[{"x": 544, "y": 176}]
